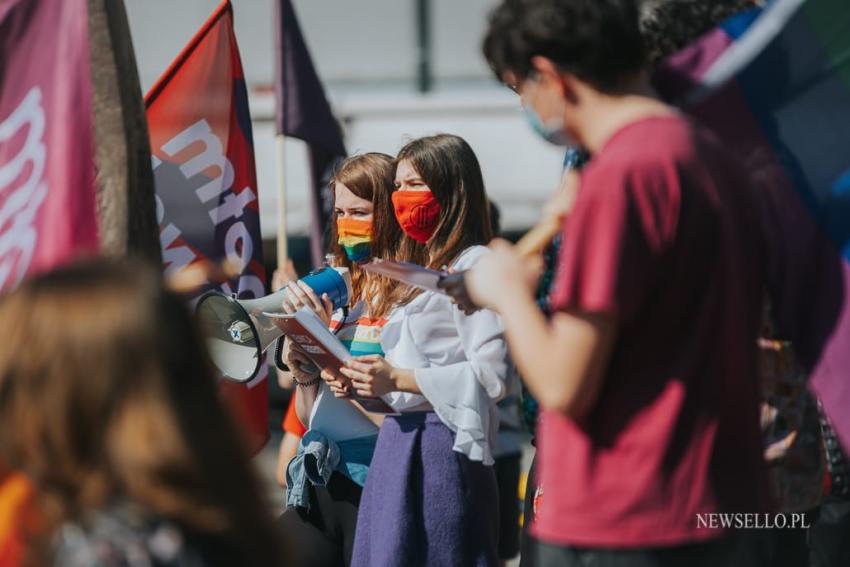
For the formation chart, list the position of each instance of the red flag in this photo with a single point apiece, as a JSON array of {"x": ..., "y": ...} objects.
[
  {"x": 47, "y": 206},
  {"x": 206, "y": 184}
]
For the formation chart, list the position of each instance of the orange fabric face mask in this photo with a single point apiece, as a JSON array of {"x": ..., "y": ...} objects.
[{"x": 418, "y": 213}]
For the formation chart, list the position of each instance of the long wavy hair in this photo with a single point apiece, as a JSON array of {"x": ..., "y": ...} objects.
[
  {"x": 370, "y": 177},
  {"x": 107, "y": 394}
]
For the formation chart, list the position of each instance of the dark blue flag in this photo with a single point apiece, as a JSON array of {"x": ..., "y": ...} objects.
[{"x": 303, "y": 112}]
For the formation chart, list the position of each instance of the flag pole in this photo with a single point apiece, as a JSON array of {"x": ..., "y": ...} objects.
[
  {"x": 280, "y": 137},
  {"x": 282, "y": 244}
]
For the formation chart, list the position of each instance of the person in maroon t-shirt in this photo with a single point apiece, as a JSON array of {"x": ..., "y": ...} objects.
[{"x": 647, "y": 371}]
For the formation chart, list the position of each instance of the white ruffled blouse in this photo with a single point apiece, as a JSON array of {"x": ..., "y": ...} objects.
[{"x": 459, "y": 362}]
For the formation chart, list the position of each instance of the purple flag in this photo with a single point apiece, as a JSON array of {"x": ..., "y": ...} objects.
[{"x": 303, "y": 112}]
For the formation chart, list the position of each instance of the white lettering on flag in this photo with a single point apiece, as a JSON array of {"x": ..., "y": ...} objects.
[
  {"x": 20, "y": 204},
  {"x": 209, "y": 159},
  {"x": 211, "y": 156},
  {"x": 177, "y": 257}
]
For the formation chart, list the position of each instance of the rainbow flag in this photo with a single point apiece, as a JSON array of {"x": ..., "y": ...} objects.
[{"x": 775, "y": 86}]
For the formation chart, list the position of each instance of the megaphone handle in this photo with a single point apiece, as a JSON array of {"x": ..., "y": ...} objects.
[
  {"x": 342, "y": 323},
  {"x": 278, "y": 355}
]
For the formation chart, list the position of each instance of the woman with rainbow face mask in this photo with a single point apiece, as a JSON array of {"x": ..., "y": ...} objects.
[
  {"x": 431, "y": 496},
  {"x": 322, "y": 500}
]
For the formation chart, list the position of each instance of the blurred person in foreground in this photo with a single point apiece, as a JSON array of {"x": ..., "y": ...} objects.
[
  {"x": 646, "y": 372},
  {"x": 109, "y": 407}
]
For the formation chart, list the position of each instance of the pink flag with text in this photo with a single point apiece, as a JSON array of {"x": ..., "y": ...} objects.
[{"x": 47, "y": 196}]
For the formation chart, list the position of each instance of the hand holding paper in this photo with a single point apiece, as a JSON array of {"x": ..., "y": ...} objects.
[
  {"x": 371, "y": 375},
  {"x": 339, "y": 384}
]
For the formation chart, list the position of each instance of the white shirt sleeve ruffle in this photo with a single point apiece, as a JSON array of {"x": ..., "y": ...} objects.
[{"x": 459, "y": 362}]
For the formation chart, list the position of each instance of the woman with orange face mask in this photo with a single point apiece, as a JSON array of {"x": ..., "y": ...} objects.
[
  {"x": 431, "y": 496},
  {"x": 337, "y": 448}
]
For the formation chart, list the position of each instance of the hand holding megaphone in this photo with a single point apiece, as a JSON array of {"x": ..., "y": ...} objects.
[
  {"x": 299, "y": 294},
  {"x": 238, "y": 333}
]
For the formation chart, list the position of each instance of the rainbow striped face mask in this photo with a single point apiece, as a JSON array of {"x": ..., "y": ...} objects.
[{"x": 355, "y": 237}]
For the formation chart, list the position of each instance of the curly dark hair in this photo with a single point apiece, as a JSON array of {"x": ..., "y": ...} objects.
[
  {"x": 670, "y": 25},
  {"x": 599, "y": 41}
]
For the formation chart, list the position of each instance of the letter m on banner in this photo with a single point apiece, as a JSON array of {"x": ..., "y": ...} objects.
[
  {"x": 47, "y": 203},
  {"x": 206, "y": 183}
]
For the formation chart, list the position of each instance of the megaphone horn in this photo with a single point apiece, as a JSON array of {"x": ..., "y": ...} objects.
[{"x": 236, "y": 331}]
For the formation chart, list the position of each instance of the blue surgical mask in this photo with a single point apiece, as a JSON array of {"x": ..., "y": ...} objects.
[{"x": 554, "y": 132}]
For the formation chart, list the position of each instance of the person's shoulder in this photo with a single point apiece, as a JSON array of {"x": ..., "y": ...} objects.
[
  {"x": 653, "y": 138},
  {"x": 650, "y": 147}
]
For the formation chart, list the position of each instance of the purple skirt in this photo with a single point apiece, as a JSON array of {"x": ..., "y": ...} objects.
[{"x": 423, "y": 503}]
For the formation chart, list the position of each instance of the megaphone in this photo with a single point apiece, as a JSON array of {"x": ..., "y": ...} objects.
[{"x": 236, "y": 331}]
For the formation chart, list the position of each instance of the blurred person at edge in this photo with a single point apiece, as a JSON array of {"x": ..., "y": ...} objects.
[
  {"x": 322, "y": 505},
  {"x": 109, "y": 408},
  {"x": 626, "y": 382},
  {"x": 667, "y": 26}
]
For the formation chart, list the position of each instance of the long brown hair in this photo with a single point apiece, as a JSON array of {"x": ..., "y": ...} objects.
[
  {"x": 370, "y": 177},
  {"x": 106, "y": 393},
  {"x": 447, "y": 164}
]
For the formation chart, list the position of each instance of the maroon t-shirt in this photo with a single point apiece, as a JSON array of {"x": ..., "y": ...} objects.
[{"x": 663, "y": 236}]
